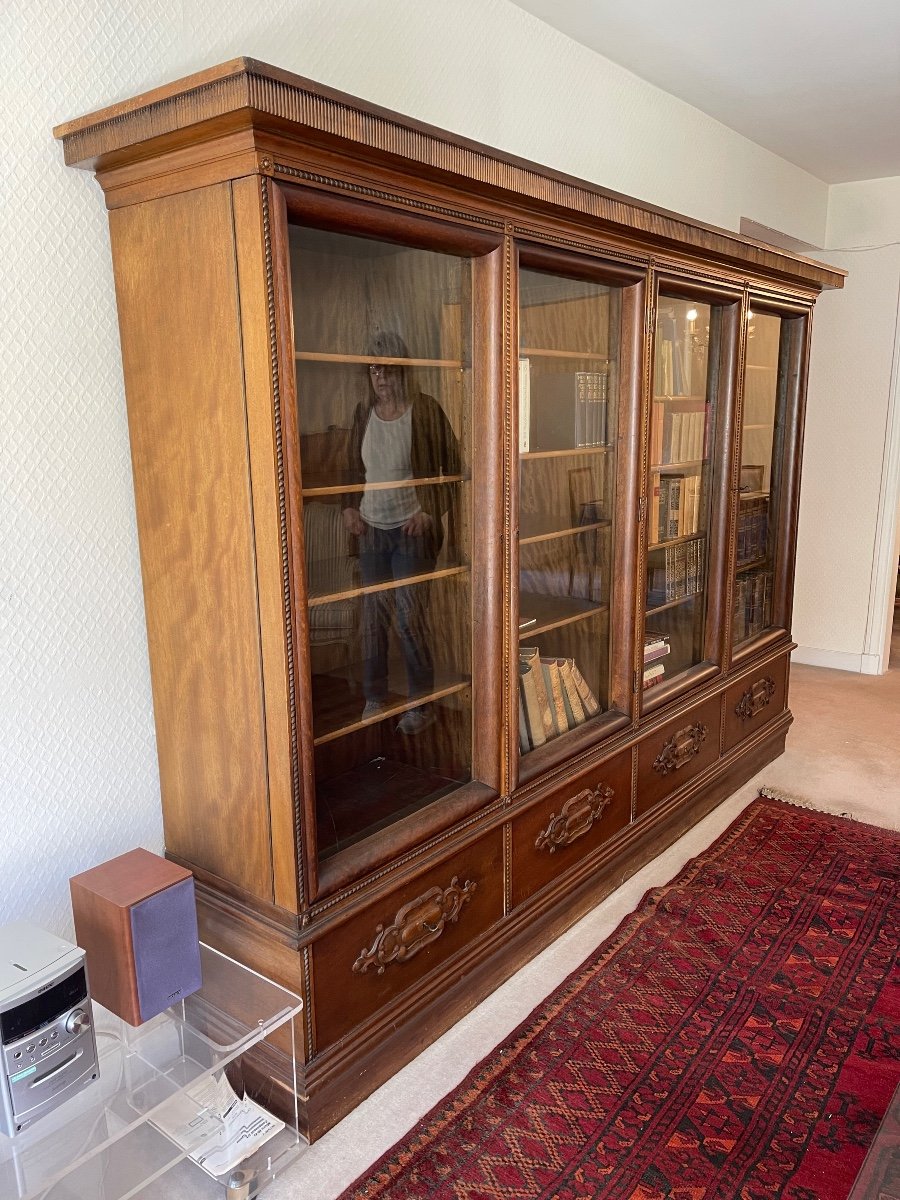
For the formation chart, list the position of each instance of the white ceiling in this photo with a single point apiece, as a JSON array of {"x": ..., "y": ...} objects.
[{"x": 816, "y": 81}]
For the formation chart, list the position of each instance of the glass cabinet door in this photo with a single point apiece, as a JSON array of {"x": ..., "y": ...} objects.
[
  {"x": 383, "y": 351},
  {"x": 568, "y": 385},
  {"x": 683, "y": 422},
  {"x": 770, "y": 378}
]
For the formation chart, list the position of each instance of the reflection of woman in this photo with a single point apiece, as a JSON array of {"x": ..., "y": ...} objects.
[{"x": 398, "y": 434}]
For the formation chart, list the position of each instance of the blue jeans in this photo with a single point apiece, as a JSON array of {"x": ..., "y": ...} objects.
[{"x": 386, "y": 555}]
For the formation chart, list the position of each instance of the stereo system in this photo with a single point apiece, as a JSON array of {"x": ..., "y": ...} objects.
[{"x": 46, "y": 1024}]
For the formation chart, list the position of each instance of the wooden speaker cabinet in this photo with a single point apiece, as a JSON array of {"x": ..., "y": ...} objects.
[
  {"x": 136, "y": 919},
  {"x": 456, "y": 608}
]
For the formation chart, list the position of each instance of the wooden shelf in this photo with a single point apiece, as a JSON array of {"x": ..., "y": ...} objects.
[
  {"x": 575, "y": 450},
  {"x": 551, "y": 534},
  {"x": 769, "y": 425},
  {"x": 753, "y": 565},
  {"x": 696, "y": 536},
  {"x": 368, "y": 359},
  {"x": 651, "y": 612},
  {"x": 699, "y": 401},
  {"x": 660, "y": 468},
  {"x": 338, "y": 489},
  {"x": 582, "y": 355},
  {"x": 368, "y": 589},
  {"x": 760, "y": 367},
  {"x": 554, "y": 611},
  {"x": 345, "y": 717}
]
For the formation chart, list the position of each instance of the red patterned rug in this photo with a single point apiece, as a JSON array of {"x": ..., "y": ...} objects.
[{"x": 737, "y": 1037}]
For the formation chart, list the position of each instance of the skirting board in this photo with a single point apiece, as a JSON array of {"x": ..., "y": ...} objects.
[{"x": 839, "y": 660}]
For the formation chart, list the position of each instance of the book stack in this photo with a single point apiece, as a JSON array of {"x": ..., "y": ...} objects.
[
  {"x": 563, "y": 410},
  {"x": 678, "y": 437},
  {"x": 675, "y": 572},
  {"x": 752, "y": 529},
  {"x": 675, "y": 506},
  {"x": 656, "y": 647},
  {"x": 752, "y": 595},
  {"x": 553, "y": 698}
]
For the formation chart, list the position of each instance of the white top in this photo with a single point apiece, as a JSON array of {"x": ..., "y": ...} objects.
[{"x": 386, "y": 455}]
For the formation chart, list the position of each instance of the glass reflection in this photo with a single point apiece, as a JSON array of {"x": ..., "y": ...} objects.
[{"x": 383, "y": 338}]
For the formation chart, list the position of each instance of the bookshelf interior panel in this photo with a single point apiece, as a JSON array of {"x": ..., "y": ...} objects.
[
  {"x": 383, "y": 351},
  {"x": 569, "y": 331},
  {"x": 765, "y": 393},
  {"x": 682, "y": 436}
]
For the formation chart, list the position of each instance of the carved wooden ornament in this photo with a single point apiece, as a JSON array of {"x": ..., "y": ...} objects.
[
  {"x": 756, "y": 698},
  {"x": 415, "y": 926},
  {"x": 576, "y": 817},
  {"x": 681, "y": 748}
]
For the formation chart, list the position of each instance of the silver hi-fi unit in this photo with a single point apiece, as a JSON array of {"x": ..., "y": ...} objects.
[{"x": 46, "y": 1024}]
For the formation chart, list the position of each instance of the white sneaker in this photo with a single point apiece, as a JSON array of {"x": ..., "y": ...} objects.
[
  {"x": 414, "y": 721},
  {"x": 372, "y": 709}
]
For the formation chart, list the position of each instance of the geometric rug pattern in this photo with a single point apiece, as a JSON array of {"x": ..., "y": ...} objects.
[{"x": 738, "y": 1036}]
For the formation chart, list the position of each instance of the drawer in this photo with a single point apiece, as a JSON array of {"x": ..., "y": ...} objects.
[
  {"x": 374, "y": 958},
  {"x": 755, "y": 700},
  {"x": 671, "y": 756},
  {"x": 563, "y": 827}
]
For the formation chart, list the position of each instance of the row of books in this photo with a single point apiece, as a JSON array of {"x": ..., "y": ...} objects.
[
  {"x": 752, "y": 599},
  {"x": 656, "y": 647},
  {"x": 752, "y": 529},
  {"x": 675, "y": 506},
  {"x": 677, "y": 436},
  {"x": 553, "y": 698},
  {"x": 563, "y": 410},
  {"x": 675, "y": 572},
  {"x": 672, "y": 362}
]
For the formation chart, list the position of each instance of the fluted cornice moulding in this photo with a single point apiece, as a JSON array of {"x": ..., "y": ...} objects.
[{"x": 245, "y": 94}]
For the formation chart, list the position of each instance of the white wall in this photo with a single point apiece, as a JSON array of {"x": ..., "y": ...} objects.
[
  {"x": 78, "y": 778},
  {"x": 846, "y": 557}
]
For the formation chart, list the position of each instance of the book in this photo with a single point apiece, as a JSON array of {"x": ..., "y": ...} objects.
[
  {"x": 553, "y": 681},
  {"x": 531, "y": 655},
  {"x": 568, "y": 410},
  {"x": 653, "y": 674},
  {"x": 524, "y": 405},
  {"x": 532, "y": 705},
  {"x": 524, "y": 739},
  {"x": 655, "y": 651},
  {"x": 579, "y": 715},
  {"x": 588, "y": 699}
]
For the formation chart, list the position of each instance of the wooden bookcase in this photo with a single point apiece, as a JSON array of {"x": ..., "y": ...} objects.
[{"x": 438, "y": 462}]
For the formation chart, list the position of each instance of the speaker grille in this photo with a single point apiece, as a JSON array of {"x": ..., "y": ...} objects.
[{"x": 166, "y": 948}]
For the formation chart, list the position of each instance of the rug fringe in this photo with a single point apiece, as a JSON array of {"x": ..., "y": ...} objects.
[{"x": 798, "y": 801}]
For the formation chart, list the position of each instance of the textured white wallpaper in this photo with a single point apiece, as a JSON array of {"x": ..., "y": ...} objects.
[{"x": 78, "y": 775}]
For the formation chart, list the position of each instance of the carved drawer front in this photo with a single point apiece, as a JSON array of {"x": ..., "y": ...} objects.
[
  {"x": 670, "y": 757},
  {"x": 564, "y": 826},
  {"x": 754, "y": 700},
  {"x": 382, "y": 951}
]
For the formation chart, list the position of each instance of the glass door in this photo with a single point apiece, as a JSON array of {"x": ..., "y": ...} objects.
[
  {"x": 685, "y": 532},
  {"x": 383, "y": 337},
  {"x": 774, "y": 345},
  {"x": 568, "y": 388}
]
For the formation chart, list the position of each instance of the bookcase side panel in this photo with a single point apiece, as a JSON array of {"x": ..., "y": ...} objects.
[
  {"x": 268, "y": 382},
  {"x": 176, "y": 278}
]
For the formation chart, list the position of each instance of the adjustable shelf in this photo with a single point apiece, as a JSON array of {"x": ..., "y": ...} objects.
[
  {"x": 554, "y": 611},
  {"x": 550, "y": 534},
  {"x": 372, "y": 359}
]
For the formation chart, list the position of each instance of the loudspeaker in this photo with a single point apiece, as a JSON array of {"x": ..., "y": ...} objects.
[{"x": 136, "y": 919}]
